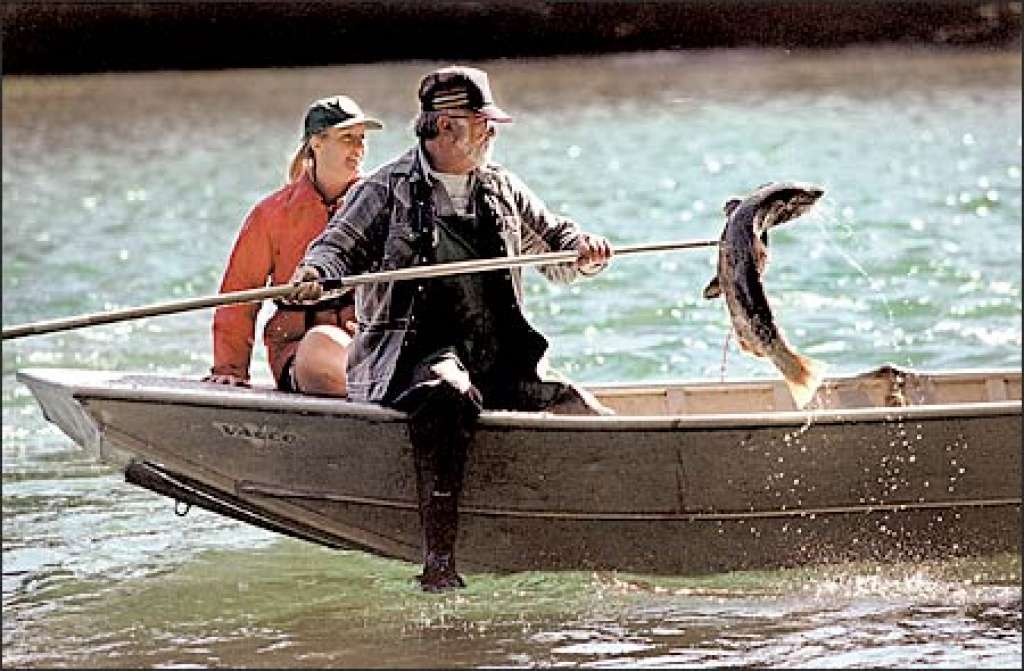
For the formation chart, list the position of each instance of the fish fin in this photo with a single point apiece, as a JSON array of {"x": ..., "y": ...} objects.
[
  {"x": 803, "y": 377},
  {"x": 731, "y": 205},
  {"x": 713, "y": 289}
]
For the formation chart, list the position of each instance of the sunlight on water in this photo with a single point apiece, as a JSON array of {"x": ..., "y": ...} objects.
[
  {"x": 840, "y": 237},
  {"x": 128, "y": 189},
  {"x": 308, "y": 599}
]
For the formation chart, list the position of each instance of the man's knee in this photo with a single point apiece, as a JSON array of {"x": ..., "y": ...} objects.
[
  {"x": 452, "y": 374},
  {"x": 441, "y": 401},
  {"x": 321, "y": 361},
  {"x": 441, "y": 384}
]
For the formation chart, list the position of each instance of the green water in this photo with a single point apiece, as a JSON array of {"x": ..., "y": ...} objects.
[{"x": 121, "y": 190}]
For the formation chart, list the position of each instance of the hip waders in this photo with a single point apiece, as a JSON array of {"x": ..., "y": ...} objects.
[{"x": 443, "y": 407}]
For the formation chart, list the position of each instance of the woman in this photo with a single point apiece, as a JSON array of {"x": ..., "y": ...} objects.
[{"x": 306, "y": 346}]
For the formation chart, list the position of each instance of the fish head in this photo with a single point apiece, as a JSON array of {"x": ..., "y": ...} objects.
[
  {"x": 731, "y": 205},
  {"x": 785, "y": 201}
]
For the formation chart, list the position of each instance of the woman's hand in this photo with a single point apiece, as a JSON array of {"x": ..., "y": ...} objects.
[
  {"x": 229, "y": 379},
  {"x": 347, "y": 319}
]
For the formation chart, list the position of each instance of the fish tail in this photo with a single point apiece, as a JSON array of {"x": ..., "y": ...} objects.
[{"x": 803, "y": 375}]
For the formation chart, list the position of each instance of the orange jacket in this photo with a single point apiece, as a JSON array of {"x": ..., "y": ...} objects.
[{"x": 270, "y": 244}]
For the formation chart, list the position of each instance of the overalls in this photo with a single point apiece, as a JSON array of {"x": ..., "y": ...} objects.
[{"x": 472, "y": 349}]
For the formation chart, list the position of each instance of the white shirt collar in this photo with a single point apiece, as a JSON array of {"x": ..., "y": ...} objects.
[{"x": 452, "y": 200}]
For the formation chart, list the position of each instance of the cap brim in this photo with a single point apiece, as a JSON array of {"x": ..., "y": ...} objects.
[
  {"x": 370, "y": 123},
  {"x": 495, "y": 113}
]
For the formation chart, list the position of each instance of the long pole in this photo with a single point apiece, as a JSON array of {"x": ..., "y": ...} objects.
[{"x": 282, "y": 290}]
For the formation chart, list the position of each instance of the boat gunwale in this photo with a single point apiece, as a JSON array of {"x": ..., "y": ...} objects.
[
  {"x": 270, "y": 400},
  {"x": 975, "y": 373}
]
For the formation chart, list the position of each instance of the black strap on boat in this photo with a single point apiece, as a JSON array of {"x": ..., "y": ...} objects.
[{"x": 184, "y": 490}]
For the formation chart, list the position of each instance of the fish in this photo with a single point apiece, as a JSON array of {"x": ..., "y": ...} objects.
[{"x": 742, "y": 259}]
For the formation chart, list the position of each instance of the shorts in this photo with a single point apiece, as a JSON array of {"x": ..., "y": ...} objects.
[{"x": 287, "y": 380}]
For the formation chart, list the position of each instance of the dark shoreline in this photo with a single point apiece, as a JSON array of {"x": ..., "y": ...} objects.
[{"x": 80, "y": 37}]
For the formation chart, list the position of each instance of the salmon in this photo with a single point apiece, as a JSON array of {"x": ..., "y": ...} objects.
[{"x": 742, "y": 257}]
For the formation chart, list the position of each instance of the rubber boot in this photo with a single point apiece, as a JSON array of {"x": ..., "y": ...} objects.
[{"x": 440, "y": 431}]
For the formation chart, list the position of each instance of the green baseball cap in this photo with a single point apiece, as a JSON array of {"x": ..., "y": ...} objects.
[{"x": 335, "y": 112}]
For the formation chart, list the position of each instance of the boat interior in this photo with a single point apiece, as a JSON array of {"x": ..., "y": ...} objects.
[
  {"x": 887, "y": 386},
  {"x": 883, "y": 387}
]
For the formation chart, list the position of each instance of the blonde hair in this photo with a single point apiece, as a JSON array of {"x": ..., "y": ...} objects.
[{"x": 297, "y": 166}]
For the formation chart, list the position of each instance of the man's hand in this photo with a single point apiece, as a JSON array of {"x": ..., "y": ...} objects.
[
  {"x": 307, "y": 285},
  {"x": 594, "y": 252}
]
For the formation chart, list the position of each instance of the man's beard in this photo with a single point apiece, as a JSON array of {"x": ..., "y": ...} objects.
[{"x": 479, "y": 154}]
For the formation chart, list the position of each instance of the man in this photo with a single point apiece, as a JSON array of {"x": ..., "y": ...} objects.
[{"x": 445, "y": 348}]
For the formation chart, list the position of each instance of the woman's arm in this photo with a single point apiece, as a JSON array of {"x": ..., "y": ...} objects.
[{"x": 234, "y": 326}]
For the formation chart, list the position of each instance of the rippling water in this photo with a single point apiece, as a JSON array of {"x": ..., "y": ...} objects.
[{"x": 126, "y": 189}]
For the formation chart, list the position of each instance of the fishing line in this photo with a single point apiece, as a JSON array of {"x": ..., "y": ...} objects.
[
  {"x": 824, "y": 213},
  {"x": 725, "y": 353}
]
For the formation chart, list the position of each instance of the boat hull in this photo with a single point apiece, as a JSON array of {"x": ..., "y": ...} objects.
[{"x": 676, "y": 494}]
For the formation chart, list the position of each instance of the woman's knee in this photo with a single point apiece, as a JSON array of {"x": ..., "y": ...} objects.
[{"x": 321, "y": 360}]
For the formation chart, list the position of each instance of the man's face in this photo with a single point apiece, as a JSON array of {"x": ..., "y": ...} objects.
[{"x": 473, "y": 136}]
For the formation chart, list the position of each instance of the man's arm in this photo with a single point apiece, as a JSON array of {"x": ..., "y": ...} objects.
[
  {"x": 545, "y": 231},
  {"x": 349, "y": 243}
]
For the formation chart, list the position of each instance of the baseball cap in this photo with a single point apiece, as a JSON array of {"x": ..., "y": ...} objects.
[
  {"x": 459, "y": 87},
  {"x": 335, "y": 112}
]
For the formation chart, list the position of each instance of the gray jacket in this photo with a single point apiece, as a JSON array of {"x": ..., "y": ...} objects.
[{"x": 373, "y": 232}]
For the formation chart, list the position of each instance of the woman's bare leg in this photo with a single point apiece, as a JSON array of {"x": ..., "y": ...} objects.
[{"x": 321, "y": 361}]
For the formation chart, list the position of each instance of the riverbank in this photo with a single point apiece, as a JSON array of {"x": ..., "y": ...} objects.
[{"x": 41, "y": 38}]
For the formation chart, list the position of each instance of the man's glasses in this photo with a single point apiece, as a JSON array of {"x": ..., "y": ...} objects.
[{"x": 475, "y": 118}]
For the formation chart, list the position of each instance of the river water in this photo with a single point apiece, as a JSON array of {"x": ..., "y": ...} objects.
[{"x": 127, "y": 189}]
